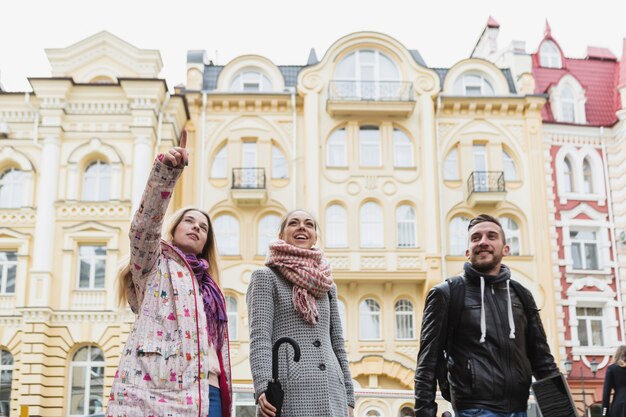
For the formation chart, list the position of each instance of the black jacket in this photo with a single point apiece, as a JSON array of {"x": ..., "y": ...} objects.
[
  {"x": 495, "y": 374},
  {"x": 615, "y": 380}
]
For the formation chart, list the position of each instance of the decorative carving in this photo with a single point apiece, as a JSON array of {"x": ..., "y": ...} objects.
[
  {"x": 97, "y": 108},
  {"x": 409, "y": 351},
  {"x": 339, "y": 262},
  {"x": 19, "y": 216},
  {"x": 409, "y": 262},
  {"x": 389, "y": 188},
  {"x": 99, "y": 210},
  {"x": 353, "y": 188},
  {"x": 424, "y": 83},
  {"x": 312, "y": 82},
  {"x": 373, "y": 262},
  {"x": 370, "y": 182}
]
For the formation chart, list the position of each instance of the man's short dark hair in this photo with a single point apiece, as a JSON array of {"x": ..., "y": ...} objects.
[{"x": 481, "y": 218}]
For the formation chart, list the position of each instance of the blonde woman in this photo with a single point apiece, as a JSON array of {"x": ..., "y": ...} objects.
[
  {"x": 615, "y": 380},
  {"x": 176, "y": 361}
]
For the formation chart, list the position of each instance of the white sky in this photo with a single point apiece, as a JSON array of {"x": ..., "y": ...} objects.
[{"x": 444, "y": 31}]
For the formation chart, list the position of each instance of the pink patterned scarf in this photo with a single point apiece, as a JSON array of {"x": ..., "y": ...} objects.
[{"x": 309, "y": 272}]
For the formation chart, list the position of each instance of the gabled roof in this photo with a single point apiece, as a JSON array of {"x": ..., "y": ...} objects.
[
  {"x": 597, "y": 74},
  {"x": 212, "y": 73},
  {"x": 443, "y": 72}
]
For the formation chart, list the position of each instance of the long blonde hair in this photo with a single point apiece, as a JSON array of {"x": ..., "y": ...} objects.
[
  {"x": 620, "y": 356},
  {"x": 209, "y": 252}
]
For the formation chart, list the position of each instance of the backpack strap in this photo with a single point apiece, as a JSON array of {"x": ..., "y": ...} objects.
[{"x": 455, "y": 306}]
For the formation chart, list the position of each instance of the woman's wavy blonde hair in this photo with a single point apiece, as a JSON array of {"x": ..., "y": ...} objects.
[
  {"x": 620, "y": 356},
  {"x": 209, "y": 252}
]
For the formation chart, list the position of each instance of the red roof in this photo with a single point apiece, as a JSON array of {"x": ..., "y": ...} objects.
[
  {"x": 491, "y": 23},
  {"x": 622, "y": 71},
  {"x": 598, "y": 74}
]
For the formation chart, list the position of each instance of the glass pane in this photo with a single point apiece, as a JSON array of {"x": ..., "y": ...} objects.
[
  {"x": 346, "y": 68},
  {"x": 268, "y": 231},
  {"x": 77, "y": 395},
  {"x": 337, "y": 232},
  {"x": 388, "y": 70},
  {"x": 96, "y": 354},
  {"x": 510, "y": 173},
  {"x": 582, "y": 332},
  {"x": 596, "y": 333},
  {"x": 336, "y": 151},
  {"x": 96, "y": 389},
  {"x": 11, "y": 273},
  {"x": 576, "y": 256},
  {"x": 279, "y": 164},
  {"x": 369, "y": 139},
  {"x": 5, "y": 378},
  {"x": 81, "y": 355},
  {"x": 218, "y": 169},
  {"x": 85, "y": 269},
  {"x": 591, "y": 258},
  {"x": 371, "y": 227},
  {"x": 6, "y": 358},
  {"x": 100, "y": 270}
]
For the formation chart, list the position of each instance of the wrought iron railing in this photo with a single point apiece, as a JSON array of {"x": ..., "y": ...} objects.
[
  {"x": 486, "y": 182},
  {"x": 370, "y": 90},
  {"x": 249, "y": 178}
]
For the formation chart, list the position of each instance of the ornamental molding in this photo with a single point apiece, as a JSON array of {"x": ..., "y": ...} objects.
[{"x": 97, "y": 108}]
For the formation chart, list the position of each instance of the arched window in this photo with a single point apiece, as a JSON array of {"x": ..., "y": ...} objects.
[
  {"x": 406, "y": 411},
  {"x": 336, "y": 227},
  {"x": 87, "y": 382},
  {"x": 510, "y": 172},
  {"x": 370, "y": 325},
  {"x": 268, "y": 231},
  {"x": 366, "y": 74},
  {"x": 12, "y": 188},
  {"x": 373, "y": 412},
  {"x": 404, "y": 320},
  {"x": 549, "y": 55},
  {"x": 458, "y": 235},
  {"x": 587, "y": 177},
  {"x": 568, "y": 105},
  {"x": 512, "y": 232},
  {"x": 371, "y": 223},
  {"x": 219, "y": 168},
  {"x": 279, "y": 163},
  {"x": 369, "y": 146},
  {"x": 405, "y": 226},
  {"x": 473, "y": 85},
  {"x": 568, "y": 177},
  {"x": 97, "y": 182},
  {"x": 6, "y": 379},
  {"x": 336, "y": 149},
  {"x": 233, "y": 317},
  {"x": 92, "y": 260},
  {"x": 226, "y": 234},
  {"x": 451, "y": 166},
  {"x": 342, "y": 316},
  {"x": 8, "y": 271},
  {"x": 402, "y": 150},
  {"x": 251, "y": 82}
]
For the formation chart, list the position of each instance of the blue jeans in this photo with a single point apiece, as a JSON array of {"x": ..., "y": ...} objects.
[
  {"x": 215, "y": 402},
  {"x": 481, "y": 412}
]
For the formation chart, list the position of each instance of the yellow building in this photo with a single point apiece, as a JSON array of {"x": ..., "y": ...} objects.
[{"x": 390, "y": 155}]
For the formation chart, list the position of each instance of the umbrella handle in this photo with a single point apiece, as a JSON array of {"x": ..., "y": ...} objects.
[{"x": 296, "y": 354}]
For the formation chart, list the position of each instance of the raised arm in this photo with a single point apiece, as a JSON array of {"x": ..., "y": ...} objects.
[
  {"x": 145, "y": 229},
  {"x": 336, "y": 337}
]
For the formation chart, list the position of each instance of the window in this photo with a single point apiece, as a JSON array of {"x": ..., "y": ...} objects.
[
  {"x": 251, "y": 82},
  {"x": 336, "y": 227},
  {"x": 371, "y": 226},
  {"x": 590, "y": 332},
  {"x": 92, "y": 267},
  {"x": 458, "y": 235},
  {"x": 404, "y": 320},
  {"x": 568, "y": 177},
  {"x": 12, "y": 188},
  {"x": 402, "y": 150},
  {"x": 451, "y": 166},
  {"x": 8, "y": 270},
  {"x": 373, "y": 412},
  {"x": 481, "y": 178},
  {"x": 587, "y": 177},
  {"x": 97, "y": 182},
  {"x": 512, "y": 233},
  {"x": 367, "y": 74},
  {"x": 584, "y": 249},
  {"x": 473, "y": 85},
  {"x": 268, "y": 231},
  {"x": 244, "y": 404},
  {"x": 279, "y": 163},
  {"x": 6, "y": 379},
  {"x": 568, "y": 105},
  {"x": 370, "y": 320},
  {"x": 226, "y": 234},
  {"x": 233, "y": 316},
  {"x": 87, "y": 382},
  {"x": 549, "y": 55},
  {"x": 219, "y": 169},
  {"x": 342, "y": 316},
  {"x": 406, "y": 411},
  {"x": 510, "y": 172},
  {"x": 369, "y": 146},
  {"x": 405, "y": 226},
  {"x": 336, "y": 149}
]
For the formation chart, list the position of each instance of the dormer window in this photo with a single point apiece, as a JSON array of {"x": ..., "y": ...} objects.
[
  {"x": 251, "y": 82},
  {"x": 549, "y": 55},
  {"x": 568, "y": 101},
  {"x": 473, "y": 85},
  {"x": 568, "y": 105}
]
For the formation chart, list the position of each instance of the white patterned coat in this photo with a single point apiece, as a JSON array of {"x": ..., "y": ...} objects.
[
  {"x": 163, "y": 369},
  {"x": 320, "y": 384}
]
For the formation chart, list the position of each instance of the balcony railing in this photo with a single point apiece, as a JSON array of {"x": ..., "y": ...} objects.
[
  {"x": 370, "y": 91},
  {"x": 248, "y": 178},
  {"x": 486, "y": 182}
]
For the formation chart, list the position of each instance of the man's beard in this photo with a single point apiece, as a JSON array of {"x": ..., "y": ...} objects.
[{"x": 487, "y": 267}]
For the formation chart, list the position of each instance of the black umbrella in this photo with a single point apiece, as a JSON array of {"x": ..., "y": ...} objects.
[{"x": 274, "y": 393}]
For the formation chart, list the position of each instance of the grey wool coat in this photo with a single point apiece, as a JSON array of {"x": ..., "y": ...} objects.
[{"x": 320, "y": 384}]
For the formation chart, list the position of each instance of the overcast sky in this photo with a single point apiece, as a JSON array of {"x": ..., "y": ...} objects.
[{"x": 444, "y": 31}]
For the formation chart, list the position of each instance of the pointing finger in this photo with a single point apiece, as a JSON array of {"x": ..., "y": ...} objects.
[{"x": 183, "y": 139}]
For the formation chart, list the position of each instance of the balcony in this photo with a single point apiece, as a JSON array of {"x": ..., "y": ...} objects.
[
  {"x": 486, "y": 188},
  {"x": 370, "y": 98},
  {"x": 248, "y": 186}
]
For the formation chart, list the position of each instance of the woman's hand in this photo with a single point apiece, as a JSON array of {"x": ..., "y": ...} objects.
[
  {"x": 177, "y": 156},
  {"x": 350, "y": 411},
  {"x": 267, "y": 409}
]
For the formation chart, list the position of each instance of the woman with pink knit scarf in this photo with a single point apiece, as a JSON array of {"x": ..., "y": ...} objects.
[{"x": 295, "y": 296}]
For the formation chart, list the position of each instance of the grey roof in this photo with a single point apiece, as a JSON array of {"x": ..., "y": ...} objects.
[
  {"x": 442, "y": 72},
  {"x": 312, "y": 57},
  {"x": 212, "y": 73},
  {"x": 196, "y": 56},
  {"x": 417, "y": 57}
]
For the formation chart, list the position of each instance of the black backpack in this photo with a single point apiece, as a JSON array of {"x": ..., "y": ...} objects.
[{"x": 456, "y": 300}]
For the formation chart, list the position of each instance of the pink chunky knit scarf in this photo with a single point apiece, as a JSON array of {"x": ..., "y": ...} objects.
[{"x": 309, "y": 272}]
